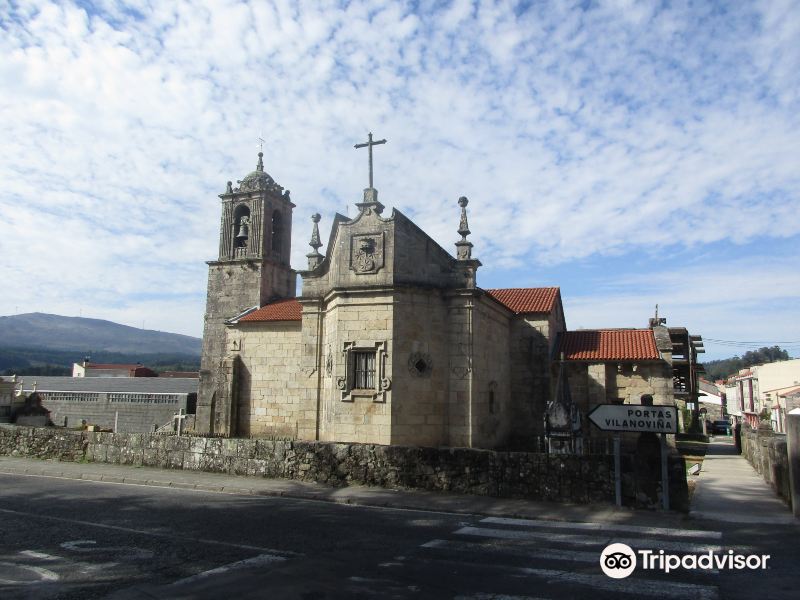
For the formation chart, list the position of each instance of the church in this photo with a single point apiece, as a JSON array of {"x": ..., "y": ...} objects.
[{"x": 391, "y": 340}]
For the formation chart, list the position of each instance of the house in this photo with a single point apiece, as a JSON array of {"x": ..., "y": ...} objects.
[
  {"x": 712, "y": 401},
  {"x": 760, "y": 393},
  {"x": 87, "y": 369},
  {"x": 777, "y": 383}
]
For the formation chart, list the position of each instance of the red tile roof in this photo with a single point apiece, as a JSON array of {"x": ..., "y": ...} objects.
[
  {"x": 526, "y": 300},
  {"x": 608, "y": 344},
  {"x": 280, "y": 310}
]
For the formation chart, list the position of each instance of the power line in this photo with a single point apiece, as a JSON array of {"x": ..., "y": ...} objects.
[{"x": 740, "y": 343}]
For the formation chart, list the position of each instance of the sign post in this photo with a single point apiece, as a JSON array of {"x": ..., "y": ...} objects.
[
  {"x": 664, "y": 473},
  {"x": 637, "y": 418},
  {"x": 617, "y": 472}
]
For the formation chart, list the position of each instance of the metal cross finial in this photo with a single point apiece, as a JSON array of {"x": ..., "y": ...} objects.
[
  {"x": 261, "y": 143},
  {"x": 369, "y": 144}
]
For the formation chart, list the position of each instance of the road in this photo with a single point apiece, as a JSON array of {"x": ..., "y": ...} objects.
[{"x": 78, "y": 539}]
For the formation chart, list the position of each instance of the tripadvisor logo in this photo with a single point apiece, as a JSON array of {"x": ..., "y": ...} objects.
[{"x": 619, "y": 561}]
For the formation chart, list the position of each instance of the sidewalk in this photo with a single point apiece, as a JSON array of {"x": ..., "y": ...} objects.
[
  {"x": 355, "y": 495},
  {"x": 729, "y": 489}
]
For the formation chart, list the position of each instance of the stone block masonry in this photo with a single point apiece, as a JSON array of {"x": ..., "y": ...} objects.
[
  {"x": 767, "y": 453},
  {"x": 559, "y": 478}
]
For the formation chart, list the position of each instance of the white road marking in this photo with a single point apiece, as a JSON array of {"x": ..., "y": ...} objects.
[
  {"x": 485, "y": 596},
  {"x": 261, "y": 559},
  {"x": 79, "y": 545},
  {"x": 45, "y": 575},
  {"x": 585, "y": 540},
  {"x": 545, "y": 553},
  {"x": 40, "y": 555},
  {"x": 665, "y": 531},
  {"x": 538, "y": 554},
  {"x": 157, "y": 534},
  {"x": 89, "y": 546},
  {"x": 632, "y": 585}
]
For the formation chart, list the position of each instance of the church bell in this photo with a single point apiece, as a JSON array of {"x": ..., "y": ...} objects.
[{"x": 243, "y": 232}]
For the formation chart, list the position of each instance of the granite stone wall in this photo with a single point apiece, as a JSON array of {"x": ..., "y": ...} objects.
[
  {"x": 270, "y": 398},
  {"x": 561, "y": 478},
  {"x": 767, "y": 452}
]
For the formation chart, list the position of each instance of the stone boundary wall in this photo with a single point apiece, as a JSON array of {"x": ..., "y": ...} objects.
[
  {"x": 560, "y": 478},
  {"x": 767, "y": 452}
]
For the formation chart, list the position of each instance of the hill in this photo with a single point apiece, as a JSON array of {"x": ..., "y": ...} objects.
[
  {"x": 54, "y": 332},
  {"x": 44, "y": 344}
]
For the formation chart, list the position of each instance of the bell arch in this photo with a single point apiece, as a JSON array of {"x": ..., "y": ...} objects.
[{"x": 241, "y": 230}]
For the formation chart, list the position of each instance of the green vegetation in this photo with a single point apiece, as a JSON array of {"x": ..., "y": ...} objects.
[
  {"x": 721, "y": 369},
  {"x": 41, "y": 361}
]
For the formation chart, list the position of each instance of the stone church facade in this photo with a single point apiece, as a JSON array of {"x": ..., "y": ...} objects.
[{"x": 391, "y": 340}]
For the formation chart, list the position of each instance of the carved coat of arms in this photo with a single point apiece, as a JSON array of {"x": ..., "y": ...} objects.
[{"x": 366, "y": 253}]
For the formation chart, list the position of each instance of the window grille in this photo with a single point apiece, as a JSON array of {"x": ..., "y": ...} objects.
[
  {"x": 364, "y": 370},
  {"x": 69, "y": 397}
]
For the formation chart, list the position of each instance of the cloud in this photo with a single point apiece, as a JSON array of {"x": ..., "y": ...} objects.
[{"x": 582, "y": 132}]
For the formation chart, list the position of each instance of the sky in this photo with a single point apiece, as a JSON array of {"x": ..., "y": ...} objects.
[{"x": 631, "y": 153}]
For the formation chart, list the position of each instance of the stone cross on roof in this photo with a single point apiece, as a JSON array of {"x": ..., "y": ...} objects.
[{"x": 369, "y": 144}]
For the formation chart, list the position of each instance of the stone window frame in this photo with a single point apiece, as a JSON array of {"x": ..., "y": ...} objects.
[{"x": 346, "y": 381}]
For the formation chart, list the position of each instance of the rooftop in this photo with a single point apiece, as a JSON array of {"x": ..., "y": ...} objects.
[
  {"x": 139, "y": 385},
  {"x": 608, "y": 344},
  {"x": 517, "y": 300},
  {"x": 280, "y": 310},
  {"x": 526, "y": 300}
]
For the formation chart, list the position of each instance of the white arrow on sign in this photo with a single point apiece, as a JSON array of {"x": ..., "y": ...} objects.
[{"x": 635, "y": 418}]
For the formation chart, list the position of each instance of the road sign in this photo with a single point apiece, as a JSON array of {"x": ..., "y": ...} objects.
[{"x": 635, "y": 418}]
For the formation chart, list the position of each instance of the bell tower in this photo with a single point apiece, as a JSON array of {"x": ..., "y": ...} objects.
[{"x": 251, "y": 270}]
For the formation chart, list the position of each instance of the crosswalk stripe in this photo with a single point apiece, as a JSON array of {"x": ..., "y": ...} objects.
[
  {"x": 637, "y": 587},
  {"x": 256, "y": 561},
  {"x": 584, "y": 540},
  {"x": 486, "y": 596},
  {"x": 534, "y": 553},
  {"x": 546, "y": 553},
  {"x": 681, "y": 533}
]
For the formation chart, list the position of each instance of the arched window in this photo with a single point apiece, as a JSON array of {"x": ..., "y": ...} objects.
[{"x": 277, "y": 232}]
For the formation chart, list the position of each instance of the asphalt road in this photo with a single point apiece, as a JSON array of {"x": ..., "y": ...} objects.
[{"x": 79, "y": 539}]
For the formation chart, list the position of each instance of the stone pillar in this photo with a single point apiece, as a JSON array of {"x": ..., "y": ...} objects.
[
  {"x": 460, "y": 402},
  {"x": 227, "y": 405},
  {"x": 793, "y": 450},
  {"x": 309, "y": 426}
]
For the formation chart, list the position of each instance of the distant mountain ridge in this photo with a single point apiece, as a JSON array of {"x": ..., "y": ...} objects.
[{"x": 56, "y": 332}]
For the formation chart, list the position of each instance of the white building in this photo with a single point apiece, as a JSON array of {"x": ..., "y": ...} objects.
[{"x": 776, "y": 381}]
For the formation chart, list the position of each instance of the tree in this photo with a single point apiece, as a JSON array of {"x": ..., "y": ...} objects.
[{"x": 721, "y": 369}]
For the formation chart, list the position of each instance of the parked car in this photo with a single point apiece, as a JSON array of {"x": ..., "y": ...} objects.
[{"x": 720, "y": 427}]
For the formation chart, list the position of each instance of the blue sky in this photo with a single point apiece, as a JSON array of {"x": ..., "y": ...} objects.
[{"x": 632, "y": 153}]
